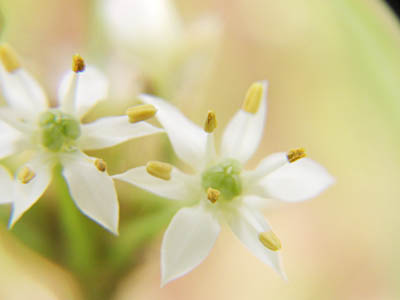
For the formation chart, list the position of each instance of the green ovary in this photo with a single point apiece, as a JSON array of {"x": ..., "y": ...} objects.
[
  {"x": 58, "y": 130},
  {"x": 225, "y": 177}
]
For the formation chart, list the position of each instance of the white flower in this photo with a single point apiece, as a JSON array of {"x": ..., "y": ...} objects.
[
  {"x": 152, "y": 35},
  {"x": 143, "y": 24},
  {"x": 56, "y": 136},
  {"x": 220, "y": 191}
]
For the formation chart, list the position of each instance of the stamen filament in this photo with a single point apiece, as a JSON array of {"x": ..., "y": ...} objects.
[
  {"x": 141, "y": 112},
  {"x": 25, "y": 175},
  {"x": 296, "y": 154},
  {"x": 100, "y": 164},
  {"x": 270, "y": 240},
  {"x": 213, "y": 194},
  {"x": 159, "y": 169},
  {"x": 253, "y": 98},
  {"x": 9, "y": 58},
  {"x": 211, "y": 122}
]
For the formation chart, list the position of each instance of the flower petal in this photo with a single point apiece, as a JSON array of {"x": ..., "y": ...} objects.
[
  {"x": 93, "y": 191},
  {"x": 297, "y": 181},
  {"x": 188, "y": 139},
  {"x": 27, "y": 194},
  {"x": 10, "y": 140},
  {"x": 187, "y": 242},
  {"x": 22, "y": 91},
  {"x": 6, "y": 186},
  {"x": 244, "y": 132},
  {"x": 92, "y": 86},
  {"x": 267, "y": 165},
  {"x": 180, "y": 187},
  {"x": 247, "y": 224},
  {"x": 110, "y": 131}
]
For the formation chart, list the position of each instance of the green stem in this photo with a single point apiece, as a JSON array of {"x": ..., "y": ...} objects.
[{"x": 79, "y": 247}]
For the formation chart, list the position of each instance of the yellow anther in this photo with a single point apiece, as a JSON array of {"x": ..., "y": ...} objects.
[
  {"x": 159, "y": 169},
  {"x": 9, "y": 58},
  {"x": 213, "y": 194},
  {"x": 141, "y": 112},
  {"x": 78, "y": 64},
  {"x": 211, "y": 122},
  {"x": 100, "y": 164},
  {"x": 296, "y": 154},
  {"x": 253, "y": 98},
  {"x": 270, "y": 240},
  {"x": 25, "y": 175}
]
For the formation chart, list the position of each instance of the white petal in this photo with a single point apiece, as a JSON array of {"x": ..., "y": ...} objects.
[
  {"x": 188, "y": 139},
  {"x": 267, "y": 165},
  {"x": 92, "y": 86},
  {"x": 244, "y": 132},
  {"x": 10, "y": 140},
  {"x": 110, "y": 131},
  {"x": 180, "y": 187},
  {"x": 92, "y": 190},
  {"x": 297, "y": 181},
  {"x": 17, "y": 119},
  {"x": 247, "y": 224},
  {"x": 27, "y": 194},
  {"x": 6, "y": 186},
  {"x": 22, "y": 91},
  {"x": 187, "y": 242},
  {"x": 258, "y": 202}
]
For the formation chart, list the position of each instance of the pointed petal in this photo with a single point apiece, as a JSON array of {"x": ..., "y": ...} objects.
[
  {"x": 6, "y": 186},
  {"x": 93, "y": 191},
  {"x": 22, "y": 91},
  {"x": 247, "y": 224},
  {"x": 188, "y": 139},
  {"x": 110, "y": 131},
  {"x": 180, "y": 187},
  {"x": 27, "y": 194},
  {"x": 187, "y": 242},
  {"x": 244, "y": 132},
  {"x": 297, "y": 181},
  {"x": 267, "y": 165},
  {"x": 10, "y": 140},
  {"x": 258, "y": 202},
  {"x": 91, "y": 87}
]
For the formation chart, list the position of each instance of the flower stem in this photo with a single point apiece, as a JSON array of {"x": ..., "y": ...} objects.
[{"x": 78, "y": 247}]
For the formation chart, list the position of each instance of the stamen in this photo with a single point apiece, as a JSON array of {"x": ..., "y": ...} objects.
[
  {"x": 25, "y": 175},
  {"x": 159, "y": 169},
  {"x": 211, "y": 122},
  {"x": 100, "y": 164},
  {"x": 213, "y": 194},
  {"x": 253, "y": 98},
  {"x": 78, "y": 64},
  {"x": 296, "y": 154},
  {"x": 9, "y": 58},
  {"x": 141, "y": 112},
  {"x": 270, "y": 240}
]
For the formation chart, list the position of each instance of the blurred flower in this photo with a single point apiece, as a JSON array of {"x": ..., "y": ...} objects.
[
  {"x": 57, "y": 136},
  {"x": 152, "y": 35},
  {"x": 144, "y": 24},
  {"x": 220, "y": 190}
]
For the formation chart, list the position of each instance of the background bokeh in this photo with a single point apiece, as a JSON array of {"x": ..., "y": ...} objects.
[{"x": 334, "y": 74}]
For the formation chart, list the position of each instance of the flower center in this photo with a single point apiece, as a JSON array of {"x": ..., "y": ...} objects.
[
  {"x": 224, "y": 177},
  {"x": 58, "y": 130}
]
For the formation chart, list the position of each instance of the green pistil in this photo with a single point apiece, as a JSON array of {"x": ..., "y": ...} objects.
[
  {"x": 224, "y": 177},
  {"x": 58, "y": 130}
]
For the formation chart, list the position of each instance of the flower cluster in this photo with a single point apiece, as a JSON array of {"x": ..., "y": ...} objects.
[
  {"x": 55, "y": 135},
  {"x": 218, "y": 191}
]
